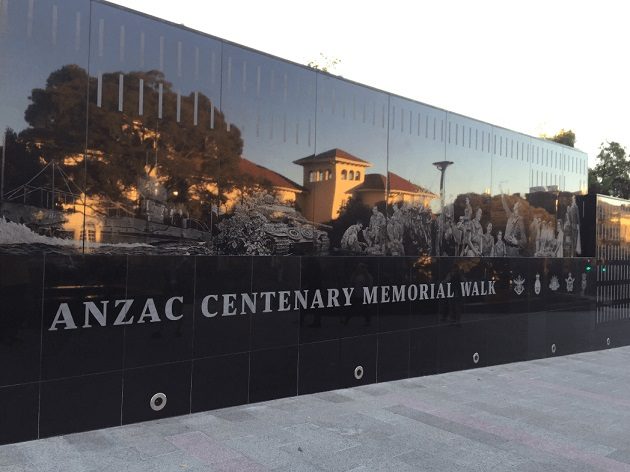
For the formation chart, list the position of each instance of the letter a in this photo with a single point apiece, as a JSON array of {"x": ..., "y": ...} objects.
[
  {"x": 149, "y": 311},
  {"x": 63, "y": 312}
]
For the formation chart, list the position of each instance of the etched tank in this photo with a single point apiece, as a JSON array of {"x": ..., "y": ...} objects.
[
  {"x": 261, "y": 225},
  {"x": 288, "y": 232}
]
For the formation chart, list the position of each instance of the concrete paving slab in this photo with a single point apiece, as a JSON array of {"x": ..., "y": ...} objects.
[{"x": 564, "y": 414}]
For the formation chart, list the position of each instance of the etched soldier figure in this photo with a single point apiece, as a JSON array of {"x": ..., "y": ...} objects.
[
  {"x": 499, "y": 249},
  {"x": 473, "y": 236},
  {"x": 550, "y": 239},
  {"x": 414, "y": 226},
  {"x": 376, "y": 233},
  {"x": 467, "y": 248},
  {"x": 395, "y": 227},
  {"x": 477, "y": 232},
  {"x": 515, "y": 238},
  {"x": 542, "y": 238},
  {"x": 487, "y": 242},
  {"x": 559, "y": 240},
  {"x": 572, "y": 230},
  {"x": 461, "y": 230},
  {"x": 550, "y": 242},
  {"x": 350, "y": 238}
]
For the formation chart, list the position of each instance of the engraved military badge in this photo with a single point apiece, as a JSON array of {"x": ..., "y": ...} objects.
[
  {"x": 569, "y": 280},
  {"x": 537, "y": 285},
  {"x": 554, "y": 284},
  {"x": 519, "y": 285}
]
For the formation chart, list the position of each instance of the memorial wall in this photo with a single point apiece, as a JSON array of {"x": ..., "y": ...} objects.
[{"x": 188, "y": 224}]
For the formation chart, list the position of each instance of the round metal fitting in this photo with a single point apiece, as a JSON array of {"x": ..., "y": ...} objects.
[
  {"x": 553, "y": 348},
  {"x": 476, "y": 357},
  {"x": 158, "y": 402},
  {"x": 358, "y": 372},
  {"x": 607, "y": 341}
]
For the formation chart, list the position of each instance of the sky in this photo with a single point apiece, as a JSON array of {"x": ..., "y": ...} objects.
[{"x": 532, "y": 66}]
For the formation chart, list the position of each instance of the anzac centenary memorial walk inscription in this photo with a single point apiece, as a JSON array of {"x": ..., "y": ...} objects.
[{"x": 229, "y": 304}]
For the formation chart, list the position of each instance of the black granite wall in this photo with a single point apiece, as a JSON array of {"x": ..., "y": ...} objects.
[{"x": 61, "y": 374}]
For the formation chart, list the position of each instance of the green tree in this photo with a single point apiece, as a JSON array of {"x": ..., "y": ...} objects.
[
  {"x": 611, "y": 175},
  {"x": 566, "y": 137},
  {"x": 594, "y": 185}
]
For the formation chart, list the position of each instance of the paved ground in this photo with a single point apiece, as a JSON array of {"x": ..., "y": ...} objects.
[{"x": 563, "y": 414}]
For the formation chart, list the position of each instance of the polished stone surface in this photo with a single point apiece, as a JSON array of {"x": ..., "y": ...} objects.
[
  {"x": 141, "y": 325},
  {"x": 561, "y": 414}
]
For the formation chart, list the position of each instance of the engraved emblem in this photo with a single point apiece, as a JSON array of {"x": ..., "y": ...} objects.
[
  {"x": 554, "y": 284},
  {"x": 519, "y": 285},
  {"x": 569, "y": 280},
  {"x": 537, "y": 285}
]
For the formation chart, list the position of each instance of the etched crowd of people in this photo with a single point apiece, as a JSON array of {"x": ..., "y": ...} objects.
[
  {"x": 466, "y": 236},
  {"x": 547, "y": 238},
  {"x": 563, "y": 241},
  {"x": 384, "y": 236}
]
